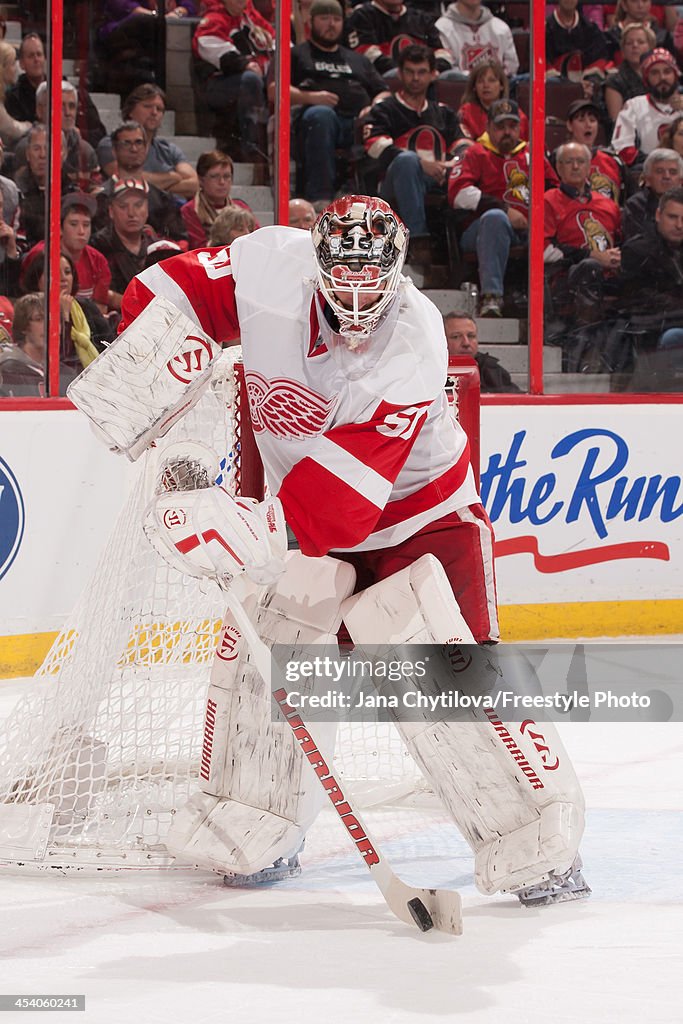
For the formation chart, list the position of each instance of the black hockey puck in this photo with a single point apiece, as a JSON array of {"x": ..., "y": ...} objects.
[{"x": 420, "y": 914}]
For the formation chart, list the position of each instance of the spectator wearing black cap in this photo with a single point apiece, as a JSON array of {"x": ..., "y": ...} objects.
[
  {"x": 125, "y": 240},
  {"x": 489, "y": 187},
  {"x": 640, "y": 121},
  {"x": 331, "y": 85},
  {"x": 606, "y": 171}
]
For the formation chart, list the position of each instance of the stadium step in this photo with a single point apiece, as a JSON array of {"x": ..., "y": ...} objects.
[{"x": 568, "y": 383}]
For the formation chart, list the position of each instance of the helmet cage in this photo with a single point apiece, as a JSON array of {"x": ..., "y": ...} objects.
[{"x": 360, "y": 246}]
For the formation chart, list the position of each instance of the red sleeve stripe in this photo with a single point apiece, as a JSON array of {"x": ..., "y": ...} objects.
[
  {"x": 428, "y": 496},
  {"x": 323, "y": 510},
  {"x": 354, "y": 473}
]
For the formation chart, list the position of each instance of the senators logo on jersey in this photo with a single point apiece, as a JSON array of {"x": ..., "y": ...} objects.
[
  {"x": 286, "y": 408},
  {"x": 598, "y": 239},
  {"x": 517, "y": 191}
]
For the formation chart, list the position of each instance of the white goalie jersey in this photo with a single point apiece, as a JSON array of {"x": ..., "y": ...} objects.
[{"x": 359, "y": 446}]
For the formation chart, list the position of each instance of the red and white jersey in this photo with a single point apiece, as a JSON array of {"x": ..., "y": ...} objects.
[
  {"x": 639, "y": 126},
  {"x": 360, "y": 447}
]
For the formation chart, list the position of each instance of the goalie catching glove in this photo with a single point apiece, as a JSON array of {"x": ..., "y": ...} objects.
[{"x": 209, "y": 534}]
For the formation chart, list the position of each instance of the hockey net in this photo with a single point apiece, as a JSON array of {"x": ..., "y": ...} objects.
[{"x": 96, "y": 758}]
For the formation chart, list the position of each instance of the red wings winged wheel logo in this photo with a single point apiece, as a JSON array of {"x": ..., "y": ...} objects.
[{"x": 286, "y": 408}]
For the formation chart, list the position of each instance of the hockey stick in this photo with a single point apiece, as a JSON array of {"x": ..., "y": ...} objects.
[{"x": 427, "y": 908}]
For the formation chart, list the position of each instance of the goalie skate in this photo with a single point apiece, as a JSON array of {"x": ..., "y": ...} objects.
[
  {"x": 570, "y": 885},
  {"x": 283, "y": 867}
]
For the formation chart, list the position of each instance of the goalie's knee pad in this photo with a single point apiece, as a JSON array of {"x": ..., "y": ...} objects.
[
  {"x": 509, "y": 786},
  {"x": 259, "y": 796}
]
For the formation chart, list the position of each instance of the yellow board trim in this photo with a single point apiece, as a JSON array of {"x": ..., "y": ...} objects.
[{"x": 22, "y": 655}]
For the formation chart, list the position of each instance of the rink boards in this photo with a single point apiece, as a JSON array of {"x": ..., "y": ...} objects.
[{"x": 586, "y": 502}]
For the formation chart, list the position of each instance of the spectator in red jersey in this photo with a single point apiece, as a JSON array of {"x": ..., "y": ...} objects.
[
  {"x": 489, "y": 189},
  {"x": 640, "y": 122},
  {"x": 582, "y": 235},
  {"x": 381, "y": 29},
  {"x": 487, "y": 83},
  {"x": 662, "y": 170},
  {"x": 413, "y": 141},
  {"x": 606, "y": 171},
  {"x": 77, "y": 211},
  {"x": 470, "y": 33},
  {"x": 215, "y": 173},
  {"x": 233, "y": 45},
  {"x": 627, "y": 82}
]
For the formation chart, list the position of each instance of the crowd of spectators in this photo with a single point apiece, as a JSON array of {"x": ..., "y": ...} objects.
[{"x": 422, "y": 102}]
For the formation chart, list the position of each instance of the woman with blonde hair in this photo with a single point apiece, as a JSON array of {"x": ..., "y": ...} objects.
[
  {"x": 636, "y": 39},
  {"x": 487, "y": 83},
  {"x": 629, "y": 12},
  {"x": 10, "y": 130},
  {"x": 231, "y": 224}
]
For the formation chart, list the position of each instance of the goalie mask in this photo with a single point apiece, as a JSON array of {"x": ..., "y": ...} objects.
[{"x": 360, "y": 246}]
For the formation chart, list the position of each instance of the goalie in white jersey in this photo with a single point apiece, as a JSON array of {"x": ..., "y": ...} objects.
[{"x": 345, "y": 363}]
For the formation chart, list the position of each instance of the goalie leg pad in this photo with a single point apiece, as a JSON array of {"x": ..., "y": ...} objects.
[
  {"x": 259, "y": 795},
  {"x": 509, "y": 786}
]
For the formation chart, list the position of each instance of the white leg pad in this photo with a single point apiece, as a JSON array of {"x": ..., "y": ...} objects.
[
  {"x": 509, "y": 786},
  {"x": 259, "y": 795}
]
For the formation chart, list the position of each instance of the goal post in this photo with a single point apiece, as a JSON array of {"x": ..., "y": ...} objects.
[{"x": 97, "y": 757}]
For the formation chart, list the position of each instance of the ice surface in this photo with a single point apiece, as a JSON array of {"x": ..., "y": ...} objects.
[{"x": 179, "y": 947}]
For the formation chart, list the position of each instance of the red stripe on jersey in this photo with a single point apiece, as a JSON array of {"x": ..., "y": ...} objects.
[
  {"x": 323, "y": 511},
  {"x": 135, "y": 298},
  {"x": 383, "y": 443},
  {"x": 204, "y": 276},
  {"x": 428, "y": 496}
]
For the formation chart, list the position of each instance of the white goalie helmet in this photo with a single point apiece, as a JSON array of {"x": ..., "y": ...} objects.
[{"x": 360, "y": 247}]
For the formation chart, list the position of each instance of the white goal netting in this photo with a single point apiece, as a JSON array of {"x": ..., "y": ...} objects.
[{"x": 96, "y": 759}]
